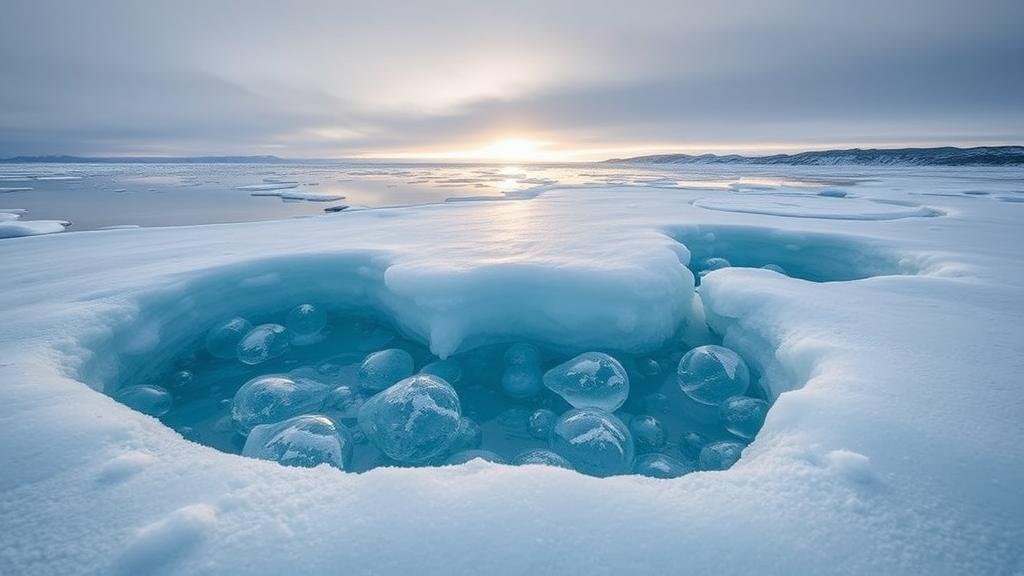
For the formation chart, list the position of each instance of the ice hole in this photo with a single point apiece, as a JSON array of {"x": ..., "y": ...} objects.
[{"x": 321, "y": 375}]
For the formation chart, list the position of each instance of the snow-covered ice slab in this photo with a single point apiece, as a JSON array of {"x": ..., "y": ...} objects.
[
  {"x": 892, "y": 447},
  {"x": 827, "y": 207}
]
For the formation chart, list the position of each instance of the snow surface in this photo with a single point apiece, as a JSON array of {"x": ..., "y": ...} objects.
[{"x": 893, "y": 353}]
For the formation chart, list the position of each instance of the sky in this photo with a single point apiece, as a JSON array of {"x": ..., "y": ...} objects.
[{"x": 515, "y": 80}]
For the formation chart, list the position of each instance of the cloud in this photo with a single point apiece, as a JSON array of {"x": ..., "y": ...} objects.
[{"x": 339, "y": 78}]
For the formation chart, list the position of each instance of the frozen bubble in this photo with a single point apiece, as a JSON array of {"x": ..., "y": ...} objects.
[
  {"x": 711, "y": 374},
  {"x": 306, "y": 319},
  {"x": 541, "y": 423},
  {"x": 468, "y": 437},
  {"x": 775, "y": 268},
  {"x": 522, "y": 354},
  {"x": 182, "y": 379},
  {"x": 448, "y": 370},
  {"x": 521, "y": 381},
  {"x": 713, "y": 263},
  {"x": 594, "y": 441},
  {"x": 414, "y": 420},
  {"x": 720, "y": 455},
  {"x": 382, "y": 369},
  {"x": 307, "y": 440},
  {"x": 272, "y": 398},
  {"x": 648, "y": 433},
  {"x": 590, "y": 380},
  {"x": 222, "y": 340},
  {"x": 152, "y": 400},
  {"x": 657, "y": 465},
  {"x": 541, "y": 457},
  {"x": 691, "y": 443},
  {"x": 470, "y": 455},
  {"x": 744, "y": 416},
  {"x": 343, "y": 403},
  {"x": 264, "y": 342}
]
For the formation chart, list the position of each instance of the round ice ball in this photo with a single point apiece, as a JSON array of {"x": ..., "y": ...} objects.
[
  {"x": 470, "y": 455},
  {"x": 182, "y": 380},
  {"x": 306, "y": 319},
  {"x": 264, "y": 342},
  {"x": 382, "y": 369},
  {"x": 657, "y": 465},
  {"x": 522, "y": 354},
  {"x": 307, "y": 440},
  {"x": 343, "y": 403},
  {"x": 775, "y": 268},
  {"x": 720, "y": 455},
  {"x": 449, "y": 370},
  {"x": 468, "y": 437},
  {"x": 691, "y": 443},
  {"x": 541, "y": 457},
  {"x": 648, "y": 432},
  {"x": 541, "y": 423},
  {"x": 152, "y": 400},
  {"x": 713, "y": 263},
  {"x": 413, "y": 421},
  {"x": 521, "y": 381},
  {"x": 272, "y": 398},
  {"x": 590, "y": 380},
  {"x": 222, "y": 340},
  {"x": 594, "y": 441},
  {"x": 711, "y": 374},
  {"x": 744, "y": 416}
]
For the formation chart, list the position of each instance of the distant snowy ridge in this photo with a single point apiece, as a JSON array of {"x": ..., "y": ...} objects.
[{"x": 944, "y": 156}]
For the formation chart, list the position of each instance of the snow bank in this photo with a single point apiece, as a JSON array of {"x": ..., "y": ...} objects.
[{"x": 892, "y": 351}]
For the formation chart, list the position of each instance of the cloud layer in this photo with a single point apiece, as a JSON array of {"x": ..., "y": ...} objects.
[{"x": 345, "y": 78}]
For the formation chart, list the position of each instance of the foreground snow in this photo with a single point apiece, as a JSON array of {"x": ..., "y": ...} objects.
[{"x": 893, "y": 351}]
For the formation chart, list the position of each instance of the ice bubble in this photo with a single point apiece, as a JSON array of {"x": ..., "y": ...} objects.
[
  {"x": 448, "y": 370},
  {"x": 590, "y": 380},
  {"x": 264, "y": 342},
  {"x": 343, "y": 403},
  {"x": 713, "y": 263},
  {"x": 152, "y": 400},
  {"x": 691, "y": 443},
  {"x": 541, "y": 423},
  {"x": 648, "y": 433},
  {"x": 521, "y": 381},
  {"x": 711, "y": 374},
  {"x": 541, "y": 457},
  {"x": 382, "y": 369},
  {"x": 273, "y": 398},
  {"x": 657, "y": 465},
  {"x": 468, "y": 437},
  {"x": 306, "y": 319},
  {"x": 720, "y": 455},
  {"x": 744, "y": 416},
  {"x": 594, "y": 441},
  {"x": 307, "y": 440},
  {"x": 522, "y": 354},
  {"x": 470, "y": 455},
  {"x": 775, "y": 268},
  {"x": 182, "y": 379},
  {"x": 222, "y": 340},
  {"x": 414, "y": 420}
]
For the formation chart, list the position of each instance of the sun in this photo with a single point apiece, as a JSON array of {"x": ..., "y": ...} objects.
[{"x": 512, "y": 149}]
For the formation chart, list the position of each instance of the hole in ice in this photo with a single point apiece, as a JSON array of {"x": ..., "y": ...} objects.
[
  {"x": 312, "y": 384},
  {"x": 813, "y": 256}
]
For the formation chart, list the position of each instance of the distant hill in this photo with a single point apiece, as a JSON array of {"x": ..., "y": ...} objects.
[
  {"x": 944, "y": 156},
  {"x": 145, "y": 160}
]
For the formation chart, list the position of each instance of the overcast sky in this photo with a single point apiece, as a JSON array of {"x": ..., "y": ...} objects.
[{"x": 575, "y": 80}]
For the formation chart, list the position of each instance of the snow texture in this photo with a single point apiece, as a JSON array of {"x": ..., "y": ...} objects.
[{"x": 892, "y": 352}]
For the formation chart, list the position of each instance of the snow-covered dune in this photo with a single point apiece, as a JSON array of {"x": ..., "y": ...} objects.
[{"x": 893, "y": 349}]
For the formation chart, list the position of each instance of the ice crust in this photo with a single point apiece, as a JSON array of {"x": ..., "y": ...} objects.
[{"x": 892, "y": 445}]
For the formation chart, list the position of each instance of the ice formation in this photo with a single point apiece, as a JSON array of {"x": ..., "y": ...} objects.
[
  {"x": 590, "y": 380},
  {"x": 859, "y": 348}
]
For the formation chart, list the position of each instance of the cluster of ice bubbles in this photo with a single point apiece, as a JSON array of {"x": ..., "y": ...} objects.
[{"x": 348, "y": 394}]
